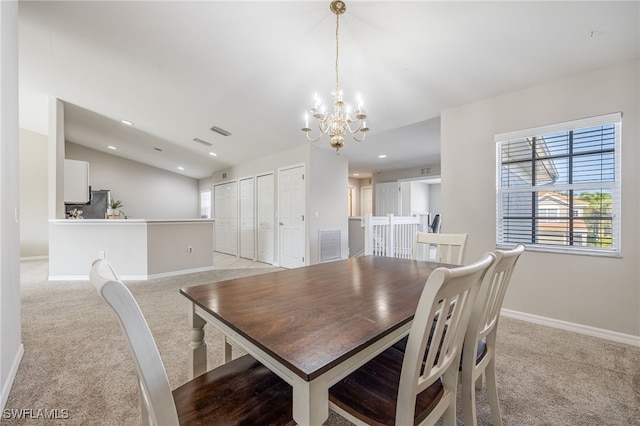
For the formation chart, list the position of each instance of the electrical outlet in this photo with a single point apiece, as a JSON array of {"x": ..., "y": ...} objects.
[{"x": 101, "y": 254}]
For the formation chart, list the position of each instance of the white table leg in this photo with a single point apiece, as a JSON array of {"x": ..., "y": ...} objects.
[
  {"x": 198, "y": 352},
  {"x": 310, "y": 402},
  {"x": 227, "y": 351}
]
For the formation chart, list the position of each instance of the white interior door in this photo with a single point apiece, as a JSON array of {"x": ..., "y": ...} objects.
[
  {"x": 291, "y": 210},
  {"x": 226, "y": 217},
  {"x": 266, "y": 217},
  {"x": 387, "y": 199},
  {"x": 366, "y": 205},
  {"x": 247, "y": 219}
]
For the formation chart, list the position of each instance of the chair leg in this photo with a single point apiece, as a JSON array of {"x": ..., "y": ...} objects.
[
  {"x": 492, "y": 393},
  {"x": 469, "y": 400},
  {"x": 227, "y": 351},
  {"x": 144, "y": 410},
  {"x": 481, "y": 382},
  {"x": 449, "y": 416}
]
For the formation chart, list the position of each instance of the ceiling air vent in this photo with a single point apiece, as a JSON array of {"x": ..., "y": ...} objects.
[
  {"x": 223, "y": 132},
  {"x": 201, "y": 141}
]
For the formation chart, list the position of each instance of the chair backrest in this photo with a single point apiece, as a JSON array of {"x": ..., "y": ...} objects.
[
  {"x": 435, "y": 340},
  {"x": 485, "y": 314},
  {"x": 449, "y": 248},
  {"x": 435, "y": 224},
  {"x": 154, "y": 385}
]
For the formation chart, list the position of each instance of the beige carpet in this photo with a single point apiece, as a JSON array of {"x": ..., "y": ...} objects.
[{"x": 76, "y": 360}]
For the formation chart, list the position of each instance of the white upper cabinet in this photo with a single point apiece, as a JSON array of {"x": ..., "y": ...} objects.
[{"x": 76, "y": 182}]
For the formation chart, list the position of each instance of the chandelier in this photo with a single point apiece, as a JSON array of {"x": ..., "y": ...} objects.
[{"x": 338, "y": 122}]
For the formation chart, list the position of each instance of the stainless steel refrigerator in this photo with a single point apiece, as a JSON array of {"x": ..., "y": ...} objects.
[{"x": 96, "y": 208}]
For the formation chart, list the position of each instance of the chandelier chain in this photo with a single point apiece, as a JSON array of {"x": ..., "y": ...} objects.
[
  {"x": 337, "y": 123},
  {"x": 337, "y": 49}
]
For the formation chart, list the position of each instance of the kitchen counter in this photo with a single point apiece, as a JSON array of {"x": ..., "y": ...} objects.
[{"x": 138, "y": 249}]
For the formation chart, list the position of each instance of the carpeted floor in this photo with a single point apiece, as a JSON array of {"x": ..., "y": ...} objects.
[{"x": 76, "y": 360}]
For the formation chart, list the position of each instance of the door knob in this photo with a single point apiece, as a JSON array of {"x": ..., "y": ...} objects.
[{"x": 281, "y": 223}]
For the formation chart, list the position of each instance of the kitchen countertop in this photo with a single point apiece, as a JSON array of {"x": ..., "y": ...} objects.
[{"x": 121, "y": 221}]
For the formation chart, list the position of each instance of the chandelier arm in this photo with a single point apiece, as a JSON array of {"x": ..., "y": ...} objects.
[
  {"x": 352, "y": 131},
  {"x": 313, "y": 139},
  {"x": 364, "y": 135},
  {"x": 323, "y": 124}
]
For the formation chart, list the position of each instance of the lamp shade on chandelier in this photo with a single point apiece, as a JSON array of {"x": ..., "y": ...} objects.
[{"x": 338, "y": 122}]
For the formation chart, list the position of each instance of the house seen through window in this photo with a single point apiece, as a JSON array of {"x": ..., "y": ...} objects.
[{"x": 558, "y": 187}]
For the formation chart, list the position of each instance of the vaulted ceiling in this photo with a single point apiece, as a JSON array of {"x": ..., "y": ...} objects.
[{"x": 175, "y": 69}]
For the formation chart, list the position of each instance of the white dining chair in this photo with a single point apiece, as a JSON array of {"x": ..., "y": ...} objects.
[
  {"x": 419, "y": 385},
  {"x": 241, "y": 391},
  {"x": 478, "y": 367},
  {"x": 444, "y": 248}
]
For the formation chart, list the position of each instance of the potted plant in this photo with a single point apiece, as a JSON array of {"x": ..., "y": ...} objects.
[{"x": 114, "y": 206}]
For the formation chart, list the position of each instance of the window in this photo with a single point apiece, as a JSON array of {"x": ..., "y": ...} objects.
[
  {"x": 558, "y": 187},
  {"x": 205, "y": 204}
]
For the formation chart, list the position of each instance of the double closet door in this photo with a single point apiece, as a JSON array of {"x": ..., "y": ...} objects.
[
  {"x": 245, "y": 217},
  {"x": 244, "y": 213}
]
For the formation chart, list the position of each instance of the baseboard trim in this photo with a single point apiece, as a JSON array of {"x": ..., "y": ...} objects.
[
  {"x": 181, "y": 272},
  {"x": 6, "y": 388},
  {"x": 134, "y": 277},
  {"x": 601, "y": 333},
  {"x": 34, "y": 258}
]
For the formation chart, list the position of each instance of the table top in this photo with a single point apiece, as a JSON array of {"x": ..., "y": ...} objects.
[{"x": 312, "y": 318}]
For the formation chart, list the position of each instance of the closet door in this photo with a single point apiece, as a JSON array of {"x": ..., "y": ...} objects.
[
  {"x": 247, "y": 219},
  {"x": 226, "y": 217},
  {"x": 266, "y": 217}
]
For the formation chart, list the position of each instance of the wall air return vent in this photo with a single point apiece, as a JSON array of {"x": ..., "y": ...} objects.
[
  {"x": 330, "y": 245},
  {"x": 201, "y": 141},
  {"x": 223, "y": 132}
]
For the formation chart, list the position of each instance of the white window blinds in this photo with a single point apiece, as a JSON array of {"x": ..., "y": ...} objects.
[{"x": 558, "y": 187}]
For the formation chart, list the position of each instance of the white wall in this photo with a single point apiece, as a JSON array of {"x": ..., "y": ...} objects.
[
  {"x": 33, "y": 195},
  {"x": 598, "y": 292},
  {"x": 419, "y": 197},
  {"x": 327, "y": 199},
  {"x": 147, "y": 192},
  {"x": 394, "y": 175},
  {"x": 11, "y": 348},
  {"x": 435, "y": 199}
]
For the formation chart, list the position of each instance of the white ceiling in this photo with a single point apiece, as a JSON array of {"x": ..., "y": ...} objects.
[{"x": 177, "y": 68}]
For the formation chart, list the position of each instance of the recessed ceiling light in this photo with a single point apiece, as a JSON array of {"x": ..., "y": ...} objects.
[
  {"x": 382, "y": 156},
  {"x": 112, "y": 147},
  {"x": 126, "y": 122},
  {"x": 213, "y": 154},
  {"x": 180, "y": 168}
]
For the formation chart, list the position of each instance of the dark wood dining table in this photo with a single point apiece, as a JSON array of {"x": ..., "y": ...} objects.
[{"x": 313, "y": 325}]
